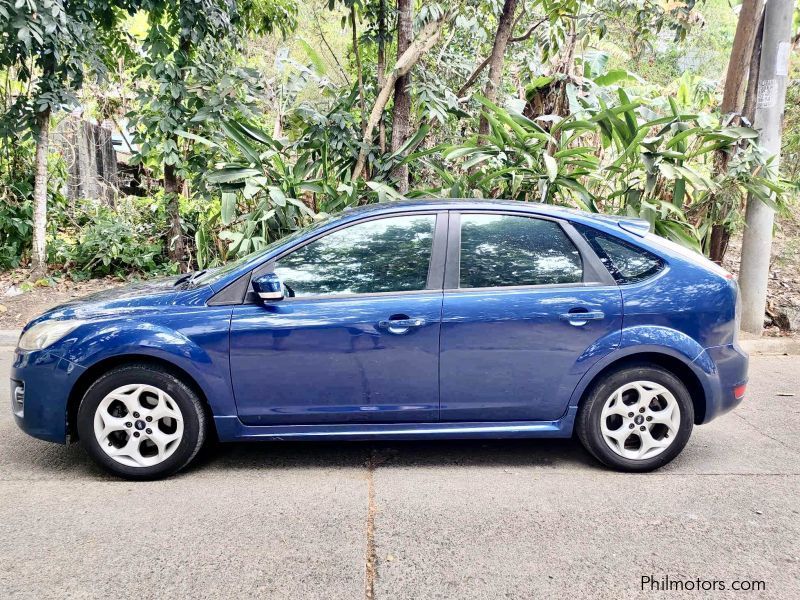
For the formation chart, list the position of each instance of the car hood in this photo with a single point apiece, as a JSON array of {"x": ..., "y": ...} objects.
[{"x": 119, "y": 301}]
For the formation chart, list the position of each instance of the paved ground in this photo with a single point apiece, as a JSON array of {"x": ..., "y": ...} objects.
[{"x": 522, "y": 519}]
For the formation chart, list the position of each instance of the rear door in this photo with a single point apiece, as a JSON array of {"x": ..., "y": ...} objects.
[{"x": 527, "y": 309}]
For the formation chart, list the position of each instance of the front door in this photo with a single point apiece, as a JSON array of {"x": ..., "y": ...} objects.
[
  {"x": 524, "y": 316},
  {"x": 358, "y": 340}
]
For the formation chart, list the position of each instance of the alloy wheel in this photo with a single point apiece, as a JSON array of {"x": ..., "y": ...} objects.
[
  {"x": 138, "y": 425},
  {"x": 640, "y": 420}
]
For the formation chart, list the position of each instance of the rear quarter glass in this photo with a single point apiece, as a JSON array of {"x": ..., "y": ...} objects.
[{"x": 686, "y": 253}]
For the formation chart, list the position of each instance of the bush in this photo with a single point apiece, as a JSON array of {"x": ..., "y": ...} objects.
[{"x": 111, "y": 241}]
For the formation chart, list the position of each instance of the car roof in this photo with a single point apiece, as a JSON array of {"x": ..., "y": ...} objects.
[
  {"x": 461, "y": 204},
  {"x": 608, "y": 222}
]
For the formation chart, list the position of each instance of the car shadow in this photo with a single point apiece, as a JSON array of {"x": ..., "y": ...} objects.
[
  {"x": 28, "y": 458},
  {"x": 561, "y": 453}
]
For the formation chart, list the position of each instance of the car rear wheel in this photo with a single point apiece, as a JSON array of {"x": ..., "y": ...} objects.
[
  {"x": 636, "y": 419},
  {"x": 141, "y": 422}
]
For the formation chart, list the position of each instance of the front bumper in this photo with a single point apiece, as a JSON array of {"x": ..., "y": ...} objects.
[
  {"x": 726, "y": 369},
  {"x": 41, "y": 382}
]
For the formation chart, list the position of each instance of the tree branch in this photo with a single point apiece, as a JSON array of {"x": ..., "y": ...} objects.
[
  {"x": 529, "y": 33},
  {"x": 424, "y": 41},
  {"x": 479, "y": 69}
]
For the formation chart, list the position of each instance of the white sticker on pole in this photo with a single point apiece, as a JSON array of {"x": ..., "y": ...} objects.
[
  {"x": 767, "y": 92},
  {"x": 782, "y": 59}
]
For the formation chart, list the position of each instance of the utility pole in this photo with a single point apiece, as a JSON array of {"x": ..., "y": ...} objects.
[{"x": 759, "y": 218}]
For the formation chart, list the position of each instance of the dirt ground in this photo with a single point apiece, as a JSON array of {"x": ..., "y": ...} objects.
[
  {"x": 783, "y": 294},
  {"x": 20, "y": 303}
]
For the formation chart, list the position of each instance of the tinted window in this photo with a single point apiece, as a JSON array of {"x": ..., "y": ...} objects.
[
  {"x": 384, "y": 255},
  {"x": 626, "y": 262},
  {"x": 502, "y": 250}
]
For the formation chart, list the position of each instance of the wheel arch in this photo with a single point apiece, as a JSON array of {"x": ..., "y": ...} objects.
[
  {"x": 678, "y": 366},
  {"x": 92, "y": 373}
]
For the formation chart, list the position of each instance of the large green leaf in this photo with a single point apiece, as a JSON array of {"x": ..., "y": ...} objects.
[
  {"x": 551, "y": 165},
  {"x": 231, "y": 175},
  {"x": 228, "y": 212}
]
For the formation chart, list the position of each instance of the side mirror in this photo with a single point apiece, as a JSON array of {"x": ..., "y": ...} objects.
[{"x": 268, "y": 287}]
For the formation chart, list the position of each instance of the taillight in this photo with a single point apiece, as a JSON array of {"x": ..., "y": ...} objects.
[{"x": 738, "y": 391}]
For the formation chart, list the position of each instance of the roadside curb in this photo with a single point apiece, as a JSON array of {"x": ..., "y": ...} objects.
[
  {"x": 9, "y": 337},
  {"x": 784, "y": 345}
]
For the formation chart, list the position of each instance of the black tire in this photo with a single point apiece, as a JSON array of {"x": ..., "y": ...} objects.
[
  {"x": 588, "y": 425},
  {"x": 191, "y": 408}
]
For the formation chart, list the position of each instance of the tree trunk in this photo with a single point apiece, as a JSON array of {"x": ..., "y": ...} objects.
[
  {"x": 738, "y": 80},
  {"x": 359, "y": 71},
  {"x": 173, "y": 187},
  {"x": 741, "y": 53},
  {"x": 173, "y": 184},
  {"x": 501, "y": 37},
  {"x": 426, "y": 39},
  {"x": 751, "y": 96},
  {"x": 401, "y": 116},
  {"x": 39, "y": 251},
  {"x": 382, "y": 67}
]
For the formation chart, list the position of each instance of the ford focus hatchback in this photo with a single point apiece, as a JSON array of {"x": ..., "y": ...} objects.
[{"x": 427, "y": 319}]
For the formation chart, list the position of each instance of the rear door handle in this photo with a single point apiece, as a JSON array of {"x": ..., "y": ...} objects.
[
  {"x": 581, "y": 318},
  {"x": 400, "y": 326}
]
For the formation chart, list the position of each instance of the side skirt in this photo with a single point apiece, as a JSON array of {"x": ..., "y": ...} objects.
[{"x": 230, "y": 429}]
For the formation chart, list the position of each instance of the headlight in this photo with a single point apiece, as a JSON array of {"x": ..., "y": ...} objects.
[{"x": 45, "y": 334}]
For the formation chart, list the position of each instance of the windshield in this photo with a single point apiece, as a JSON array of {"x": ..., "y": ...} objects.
[{"x": 212, "y": 276}]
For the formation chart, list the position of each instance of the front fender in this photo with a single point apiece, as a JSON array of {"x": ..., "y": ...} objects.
[
  {"x": 655, "y": 340},
  {"x": 196, "y": 343}
]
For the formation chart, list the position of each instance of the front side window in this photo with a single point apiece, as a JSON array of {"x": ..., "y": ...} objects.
[
  {"x": 505, "y": 250},
  {"x": 383, "y": 255}
]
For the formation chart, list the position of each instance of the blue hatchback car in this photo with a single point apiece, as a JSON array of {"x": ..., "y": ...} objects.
[{"x": 407, "y": 320}]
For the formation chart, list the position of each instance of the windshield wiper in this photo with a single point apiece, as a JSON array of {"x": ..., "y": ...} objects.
[{"x": 189, "y": 278}]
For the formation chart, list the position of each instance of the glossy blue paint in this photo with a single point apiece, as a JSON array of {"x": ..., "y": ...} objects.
[
  {"x": 48, "y": 380},
  {"x": 301, "y": 361},
  {"x": 495, "y": 362},
  {"x": 268, "y": 287},
  {"x": 231, "y": 428},
  {"x": 506, "y": 354}
]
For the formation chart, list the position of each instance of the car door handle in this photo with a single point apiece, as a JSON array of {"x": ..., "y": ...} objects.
[
  {"x": 400, "y": 326},
  {"x": 581, "y": 318}
]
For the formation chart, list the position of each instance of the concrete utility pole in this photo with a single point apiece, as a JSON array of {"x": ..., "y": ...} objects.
[{"x": 757, "y": 242}]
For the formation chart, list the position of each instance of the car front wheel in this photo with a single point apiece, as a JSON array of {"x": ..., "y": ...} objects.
[
  {"x": 139, "y": 421},
  {"x": 636, "y": 419}
]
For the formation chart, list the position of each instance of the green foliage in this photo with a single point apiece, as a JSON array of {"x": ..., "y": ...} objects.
[
  {"x": 16, "y": 198},
  {"x": 623, "y": 158},
  {"x": 15, "y": 230},
  {"x": 16, "y": 204},
  {"x": 109, "y": 241},
  {"x": 258, "y": 134},
  {"x": 52, "y": 44},
  {"x": 269, "y": 188}
]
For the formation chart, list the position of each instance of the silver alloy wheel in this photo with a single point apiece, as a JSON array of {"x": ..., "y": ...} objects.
[
  {"x": 138, "y": 425},
  {"x": 640, "y": 420}
]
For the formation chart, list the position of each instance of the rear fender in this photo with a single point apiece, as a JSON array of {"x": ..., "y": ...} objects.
[{"x": 654, "y": 340}]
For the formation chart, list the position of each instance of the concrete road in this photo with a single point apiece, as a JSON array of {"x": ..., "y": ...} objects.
[{"x": 521, "y": 519}]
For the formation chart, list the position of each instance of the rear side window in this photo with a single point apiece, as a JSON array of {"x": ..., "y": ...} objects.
[
  {"x": 505, "y": 250},
  {"x": 626, "y": 263}
]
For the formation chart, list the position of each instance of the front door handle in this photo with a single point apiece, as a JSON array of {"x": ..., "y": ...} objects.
[
  {"x": 579, "y": 319},
  {"x": 400, "y": 326}
]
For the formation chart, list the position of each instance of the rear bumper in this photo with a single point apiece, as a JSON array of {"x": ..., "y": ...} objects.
[
  {"x": 725, "y": 368},
  {"x": 40, "y": 407}
]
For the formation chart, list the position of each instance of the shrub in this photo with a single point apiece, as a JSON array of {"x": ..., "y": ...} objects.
[{"x": 111, "y": 241}]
